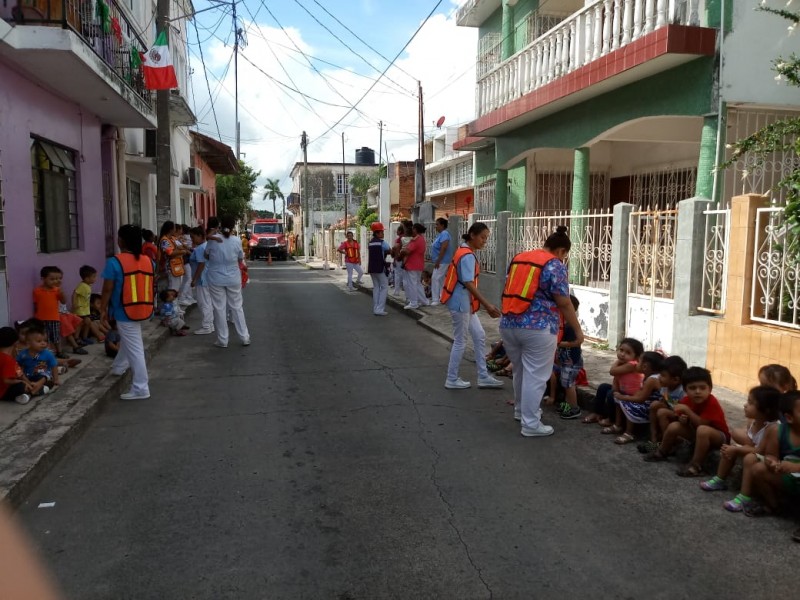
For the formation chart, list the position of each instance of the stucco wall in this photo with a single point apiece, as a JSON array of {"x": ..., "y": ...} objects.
[{"x": 25, "y": 110}]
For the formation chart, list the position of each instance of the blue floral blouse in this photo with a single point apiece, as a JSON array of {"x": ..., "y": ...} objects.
[{"x": 543, "y": 312}]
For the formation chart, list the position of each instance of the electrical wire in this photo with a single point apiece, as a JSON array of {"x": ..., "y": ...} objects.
[{"x": 205, "y": 74}]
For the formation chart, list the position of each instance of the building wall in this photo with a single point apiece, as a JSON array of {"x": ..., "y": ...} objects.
[
  {"x": 205, "y": 205},
  {"x": 25, "y": 110}
]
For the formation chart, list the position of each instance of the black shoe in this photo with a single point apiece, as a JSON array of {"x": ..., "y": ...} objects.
[{"x": 571, "y": 412}]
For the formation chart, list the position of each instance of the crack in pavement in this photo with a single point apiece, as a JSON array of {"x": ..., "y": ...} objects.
[{"x": 434, "y": 478}]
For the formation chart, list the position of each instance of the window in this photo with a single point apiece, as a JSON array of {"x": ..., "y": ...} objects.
[
  {"x": 134, "y": 202},
  {"x": 55, "y": 201},
  {"x": 342, "y": 184}
]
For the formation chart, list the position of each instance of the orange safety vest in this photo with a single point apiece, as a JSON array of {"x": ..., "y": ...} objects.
[
  {"x": 522, "y": 280},
  {"x": 175, "y": 263},
  {"x": 137, "y": 286},
  {"x": 451, "y": 278},
  {"x": 352, "y": 252}
]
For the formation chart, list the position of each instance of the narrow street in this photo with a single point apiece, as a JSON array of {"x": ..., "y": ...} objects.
[{"x": 326, "y": 460}]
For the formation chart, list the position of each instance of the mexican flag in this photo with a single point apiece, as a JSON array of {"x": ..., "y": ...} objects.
[{"x": 159, "y": 74}]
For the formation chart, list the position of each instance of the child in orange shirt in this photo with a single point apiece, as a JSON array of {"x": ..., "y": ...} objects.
[
  {"x": 13, "y": 385},
  {"x": 46, "y": 298}
]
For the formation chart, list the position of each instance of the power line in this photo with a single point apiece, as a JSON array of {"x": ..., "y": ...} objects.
[
  {"x": 205, "y": 74},
  {"x": 411, "y": 39}
]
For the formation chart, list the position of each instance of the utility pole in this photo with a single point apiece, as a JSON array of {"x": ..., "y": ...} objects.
[
  {"x": 344, "y": 184},
  {"x": 236, "y": 33},
  {"x": 419, "y": 179},
  {"x": 304, "y": 193},
  {"x": 163, "y": 133}
]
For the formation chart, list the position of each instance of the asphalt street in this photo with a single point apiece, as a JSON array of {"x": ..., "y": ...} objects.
[{"x": 326, "y": 460}]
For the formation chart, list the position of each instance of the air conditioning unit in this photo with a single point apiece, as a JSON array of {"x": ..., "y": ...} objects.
[{"x": 193, "y": 176}]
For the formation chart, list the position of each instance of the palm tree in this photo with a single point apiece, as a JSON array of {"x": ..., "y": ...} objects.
[{"x": 273, "y": 191}]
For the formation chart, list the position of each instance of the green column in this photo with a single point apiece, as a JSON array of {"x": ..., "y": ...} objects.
[
  {"x": 507, "y": 49},
  {"x": 708, "y": 155},
  {"x": 581, "y": 182},
  {"x": 501, "y": 191}
]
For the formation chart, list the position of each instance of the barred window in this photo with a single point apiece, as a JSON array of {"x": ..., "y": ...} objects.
[
  {"x": 55, "y": 200},
  {"x": 342, "y": 184}
]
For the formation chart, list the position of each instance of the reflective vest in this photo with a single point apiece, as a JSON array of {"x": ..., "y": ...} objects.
[
  {"x": 352, "y": 252},
  {"x": 451, "y": 278},
  {"x": 522, "y": 280},
  {"x": 174, "y": 264},
  {"x": 376, "y": 262},
  {"x": 137, "y": 286}
]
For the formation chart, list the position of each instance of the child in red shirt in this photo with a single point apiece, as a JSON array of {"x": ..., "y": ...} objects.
[
  {"x": 698, "y": 418},
  {"x": 13, "y": 385},
  {"x": 46, "y": 298}
]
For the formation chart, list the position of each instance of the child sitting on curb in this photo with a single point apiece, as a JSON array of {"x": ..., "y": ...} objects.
[
  {"x": 635, "y": 408},
  {"x": 569, "y": 359},
  {"x": 38, "y": 363},
  {"x": 171, "y": 314},
  {"x": 697, "y": 418},
  {"x": 627, "y": 380},
  {"x": 672, "y": 370},
  {"x": 112, "y": 340},
  {"x": 13, "y": 385}
]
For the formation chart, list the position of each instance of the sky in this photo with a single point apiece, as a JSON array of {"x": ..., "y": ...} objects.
[{"x": 295, "y": 76}]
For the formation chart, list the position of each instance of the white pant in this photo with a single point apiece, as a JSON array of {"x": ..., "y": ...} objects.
[
  {"x": 131, "y": 356},
  {"x": 463, "y": 321},
  {"x": 437, "y": 281},
  {"x": 399, "y": 276},
  {"x": 175, "y": 283},
  {"x": 531, "y": 353},
  {"x": 380, "y": 290},
  {"x": 350, "y": 268},
  {"x": 185, "y": 291},
  {"x": 414, "y": 290},
  {"x": 205, "y": 306},
  {"x": 224, "y": 299}
]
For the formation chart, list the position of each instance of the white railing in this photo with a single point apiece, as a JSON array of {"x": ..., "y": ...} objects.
[
  {"x": 487, "y": 257},
  {"x": 591, "y": 235},
  {"x": 776, "y": 271},
  {"x": 588, "y": 34},
  {"x": 715, "y": 261},
  {"x": 484, "y": 197},
  {"x": 651, "y": 253},
  {"x": 454, "y": 176},
  {"x": 430, "y": 236}
]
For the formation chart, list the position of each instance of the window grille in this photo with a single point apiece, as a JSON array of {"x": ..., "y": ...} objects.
[{"x": 55, "y": 200}]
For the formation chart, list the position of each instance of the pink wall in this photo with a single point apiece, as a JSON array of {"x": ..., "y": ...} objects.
[
  {"x": 205, "y": 204},
  {"x": 27, "y": 109}
]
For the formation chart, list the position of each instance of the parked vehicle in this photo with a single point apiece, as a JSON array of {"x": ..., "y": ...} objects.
[{"x": 267, "y": 237}]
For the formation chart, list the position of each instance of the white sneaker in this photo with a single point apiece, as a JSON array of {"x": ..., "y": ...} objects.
[
  {"x": 203, "y": 331},
  {"x": 457, "y": 384},
  {"x": 118, "y": 374},
  {"x": 411, "y": 306},
  {"x": 381, "y": 314},
  {"x": 358, "y": 282},
  {"x": 541, "y": 430},
  {"x": 22, "y": 399},
  {"x": 45, "y": 390},
  {"x": 489, "y": 382},
  {"x": 437, "y": 303},
  {"x": 220, "y": 345},
  {"x": 134, "y": 396},
  {"x": 246, "y": 341}
]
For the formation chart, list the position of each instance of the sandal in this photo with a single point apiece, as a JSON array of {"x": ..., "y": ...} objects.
[
  {"x": 605, "y": 422},
  {"x": 492, "y": 366},
  {"x": 656, "y": 456},
  {"x": 690, "y": 470},
  {"x": 625, "y": 438},
  {"x": 79, "y": 350},
  {"x": 590, "y": 419},
  {"x": 504, "y": 372},
  {"x": 756, "y": 509},
  {"x": 612, "y": 430}
]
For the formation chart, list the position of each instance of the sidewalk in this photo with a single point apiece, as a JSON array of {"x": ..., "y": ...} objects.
[
  {"x": 35, "y": 436},
  {"x": 596, "y": 360}
]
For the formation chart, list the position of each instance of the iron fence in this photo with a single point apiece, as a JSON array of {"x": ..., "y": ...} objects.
[
  {"x": 487, "y": 257},
  {"x": 651, "y": 253},
  {"x": 715, "y": 261}
]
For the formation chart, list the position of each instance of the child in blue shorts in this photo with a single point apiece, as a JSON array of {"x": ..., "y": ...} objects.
[{"x": 569, "y": 357}]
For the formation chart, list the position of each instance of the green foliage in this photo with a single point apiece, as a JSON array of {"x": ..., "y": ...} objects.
[
  {"x": 365, "y": 215},
  {"x": 272, "y": 190},
  {"x": 321, "y": 184},
  {"x": 361, "y": 182},
  {"x": 234, "y": 192}
]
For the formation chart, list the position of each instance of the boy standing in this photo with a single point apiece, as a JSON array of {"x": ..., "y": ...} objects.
[
  {"x": 570, "y": 361},
  {"x": 46, "y": 298},
  {"x": 698, "y": 418},
  {"x": 12, "y": 382},
  {"x": 82, "y": 305},
  {"x": 351, "y": 250}
]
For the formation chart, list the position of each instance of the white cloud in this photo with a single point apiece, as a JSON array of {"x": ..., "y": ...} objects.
[{"x": 272, "y": 118}]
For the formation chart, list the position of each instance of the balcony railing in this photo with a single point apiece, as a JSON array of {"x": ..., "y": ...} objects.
[
  {"x": 108, "y": 33},
  {"x": 588, "y": 34}
]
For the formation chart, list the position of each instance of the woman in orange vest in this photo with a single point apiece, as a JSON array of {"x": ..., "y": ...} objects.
[
  {"x": 171, "y": 253},
  {"x": 535, "y": 297},
  {"x": 128, "y": 299},
  {"x": 461, "y": 296},
  {"x": 351, "y": 250}
]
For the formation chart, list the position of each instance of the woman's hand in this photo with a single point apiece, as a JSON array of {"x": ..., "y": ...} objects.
[{"x": 493, "y": 311}]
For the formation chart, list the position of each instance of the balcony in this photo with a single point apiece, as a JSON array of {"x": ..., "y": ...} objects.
[
  {"x": 81, "y": 54},
  {"x": 605, "y": 40},
  {"x": 474, "y": 12}
]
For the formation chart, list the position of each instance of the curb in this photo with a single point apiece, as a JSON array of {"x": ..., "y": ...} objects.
[{"x": 39, "y": 439}]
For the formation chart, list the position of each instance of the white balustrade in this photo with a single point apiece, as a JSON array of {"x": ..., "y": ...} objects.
[{"x": 594, "y": 31}]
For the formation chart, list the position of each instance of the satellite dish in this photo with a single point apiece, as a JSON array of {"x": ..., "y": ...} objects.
[{"x": 440, "y": 122}]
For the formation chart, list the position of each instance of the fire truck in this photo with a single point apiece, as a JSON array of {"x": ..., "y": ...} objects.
[{"x": 267, "y": 237}]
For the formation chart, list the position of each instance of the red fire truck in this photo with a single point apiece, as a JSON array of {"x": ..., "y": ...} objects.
[{"x": 267, "y": 237}]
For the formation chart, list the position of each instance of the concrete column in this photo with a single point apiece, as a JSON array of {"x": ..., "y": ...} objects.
[
  {"x": 581, "y": 182},
  {"x": 740, "y": 257},
  {"x": 507, "y": 49},
  {"x": 708, "y": 156},
  {"x": 618, "y": 295},
  {"x": 364, "y": 235},
  {"x": 454, "y": 227},
  {"x": 501, "y": 231},
  {"x": 689, "y": 327},
  {"x": 501, "y": 191}
]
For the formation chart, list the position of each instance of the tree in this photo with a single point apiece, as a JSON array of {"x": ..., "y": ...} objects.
[
  {"x": 234, "y": 192},
  {"x": 361, "y": 182},
  {"x": 321, "y": 185},
  {"x": 780, "y": 136},
  {"x": 272, "y": 190}
]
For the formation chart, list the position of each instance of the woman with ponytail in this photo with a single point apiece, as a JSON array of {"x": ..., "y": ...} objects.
[
  {"x": 128, "y": 299},
  {"x": 223, "y": 275},
  {"x": 535, "y": 300}
]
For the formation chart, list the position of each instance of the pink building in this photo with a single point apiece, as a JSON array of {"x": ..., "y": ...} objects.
[
  {"x": 211, "y": 158},
  {"x": 65, "y": 89}
]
